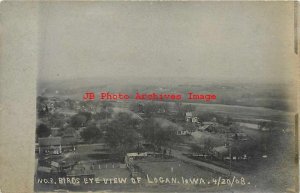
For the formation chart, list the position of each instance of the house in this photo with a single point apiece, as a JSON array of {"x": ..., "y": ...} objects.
[
  {"x": 50, "y": 145},
  {"x": 249, "y": 125},
  {"x": 81, "y": 129},
  {"x": 147, "y": 146},
  {"x": 211, "y": 128},
  {"x": 264, "y": 129},
  {"x": 214, "y": 119},
  {"x": 188, "y": 116},
  {"x": 69, "y": 139},
  {"x": 195, "y": 120},
  {"x": 226, "y": 153},
  {"x": 205, "y": 128},
  {"x": 67, "y": 113},
  {"x": 220, "y": 152},
  {"x": 161, "y": 110},
  {"x": 183, "y": 132},
  {"x": 210, "y": 123},
  {"x": 134, "y": 156},
  {"x": 36, "y": 148},
  {"x": 287, "y": 130},
  {"x": 43, "y": 169}
]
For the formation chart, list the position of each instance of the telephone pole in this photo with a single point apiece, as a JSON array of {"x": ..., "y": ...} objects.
[{"x": 230, "y": 154}]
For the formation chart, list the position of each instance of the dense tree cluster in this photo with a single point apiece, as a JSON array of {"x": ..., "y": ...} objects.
[
  {"x": 154, "y": 133},
  {"x": 43, "y": 131},
  {"x": 91, "y": 133},
  {"x": 122, "y": 133}
]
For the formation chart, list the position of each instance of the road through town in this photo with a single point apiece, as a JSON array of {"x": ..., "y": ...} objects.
[{"x": 179, "y": 155}]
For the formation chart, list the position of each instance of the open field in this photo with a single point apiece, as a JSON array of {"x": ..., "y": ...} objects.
[
  {"x": 251, "y": 114},
  {"x": 245, "y": 113},
  {"x": 173, "y": 168}
]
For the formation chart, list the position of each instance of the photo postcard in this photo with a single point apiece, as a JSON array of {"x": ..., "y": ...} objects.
[{"x": 153, "y": 96}]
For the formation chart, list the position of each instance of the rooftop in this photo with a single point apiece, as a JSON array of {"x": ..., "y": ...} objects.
[
  {"x": 48, "y": 141},
  {"x": 221, "y": 149}
]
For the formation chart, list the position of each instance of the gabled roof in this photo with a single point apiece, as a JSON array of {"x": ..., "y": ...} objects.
[
  {"x": 49, "y": 141},
  {"x": 136, "y": 154},
  {"x": 44, "y": 169},
  {"x": 204, "y": 127},
  {"x": 68, "y": 140},
  {"x": 207, "y": 123},
  {"x": 189, "y": 114},
  {"x": 221, "y": 149},
  {"x": 243, "y": 135}
]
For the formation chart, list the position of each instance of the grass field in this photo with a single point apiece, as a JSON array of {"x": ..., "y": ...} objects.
[{"x": 173, "y": 168}]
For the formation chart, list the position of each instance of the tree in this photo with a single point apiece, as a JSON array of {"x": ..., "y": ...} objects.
[
  {"x": 149, "y": 109},
  {"x": 148, "y": 130},
  {"x": 121, "y": 133},
  {"x": 121, "y": 139},
  {"x": 43, "y": 131},
  {"x": 56, "y": 120},
  {"x": 209, "y": 116},
  {"x": 126, "y": 120},
  {"x": 187, "y": 108},
  {"x": 270, "y": 125},
  {"x": 159, "y": 136},
  {"x": 136, "y": 107},
  {"x": 70, "y": 104},
  {"x": 208, "y": 144},
  {"x": 100, "y": 115},
  {"x": 106, "y": 105},
  {"x": 91, "y": 133},
  {"x": 153, "y": 107},
  {"x": 165, "y": 137},
  {"x": 106, "y": 110},
  {"x": 206, "y": 116},
  {"x": 87, "y": 115},
  {"x": 41, "y": 105},
  {"x": 78, "y": 120},
  {"x": 198, "y": 149},
  {"x": 227, "y": 121}
]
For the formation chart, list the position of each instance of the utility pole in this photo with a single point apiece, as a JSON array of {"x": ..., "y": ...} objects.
[
  {"x": 230, "y": 159},
  {"x": 106, "y": 115},
  {"x": 230, "y": 153}
]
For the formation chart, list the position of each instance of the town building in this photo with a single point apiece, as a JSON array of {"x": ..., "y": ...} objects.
[
  {"x": 220, "y": 152},
  {"x": 183, "y": 132},
  {"x": 50, "y": 145},
  {"x": 188, "y": 116}
]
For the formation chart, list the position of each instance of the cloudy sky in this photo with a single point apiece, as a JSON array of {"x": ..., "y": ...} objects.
[{"x": 221, "y": 41}]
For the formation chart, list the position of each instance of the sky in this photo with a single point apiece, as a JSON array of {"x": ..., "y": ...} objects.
[{"x": 213, "y": 41}]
